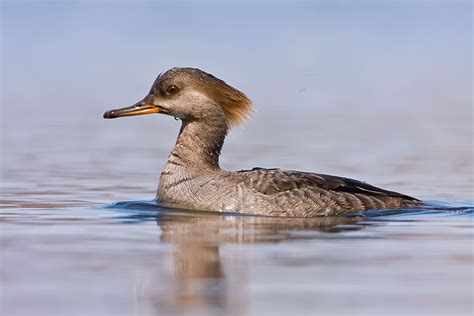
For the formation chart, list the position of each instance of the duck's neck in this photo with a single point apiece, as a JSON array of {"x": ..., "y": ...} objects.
[{"x": 197, "y": 148}]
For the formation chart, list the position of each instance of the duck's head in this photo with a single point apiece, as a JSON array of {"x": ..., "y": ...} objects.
[{"x": 191, "y": 94}]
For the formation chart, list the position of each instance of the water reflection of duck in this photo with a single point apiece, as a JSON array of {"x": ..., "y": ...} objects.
[
  {"x": 192, "y": 178},
  {"x": 204, "y": 280}
]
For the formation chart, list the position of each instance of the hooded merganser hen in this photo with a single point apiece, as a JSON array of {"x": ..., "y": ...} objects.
[{"x": 208, "y": 107}]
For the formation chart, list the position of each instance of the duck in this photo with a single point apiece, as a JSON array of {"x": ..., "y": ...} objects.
[{"x": 209, "y": 108}]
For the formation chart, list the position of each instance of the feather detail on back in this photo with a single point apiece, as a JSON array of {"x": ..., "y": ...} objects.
[{"x": 277, "y": 181}]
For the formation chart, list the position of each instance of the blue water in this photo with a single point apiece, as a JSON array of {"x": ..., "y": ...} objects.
[{"x": 139, "y": 258}]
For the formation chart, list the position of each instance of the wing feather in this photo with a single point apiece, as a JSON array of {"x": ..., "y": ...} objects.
[{"x": 274, "y": 181}]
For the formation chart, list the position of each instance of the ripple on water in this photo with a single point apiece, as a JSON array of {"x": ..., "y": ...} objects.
[{"x": 149, "y": 209}]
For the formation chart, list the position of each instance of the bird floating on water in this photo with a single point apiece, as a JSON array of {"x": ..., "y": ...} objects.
[{"x": 192, "y": 178}]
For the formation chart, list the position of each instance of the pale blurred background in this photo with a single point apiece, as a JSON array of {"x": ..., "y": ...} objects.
[{"x": 376, "y": 90}]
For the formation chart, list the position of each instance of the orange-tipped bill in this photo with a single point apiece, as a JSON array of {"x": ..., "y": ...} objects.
[{"x": 137, "y": 109}]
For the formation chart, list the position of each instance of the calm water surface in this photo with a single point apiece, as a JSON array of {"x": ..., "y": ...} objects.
[{"x": 72, "y": 245}]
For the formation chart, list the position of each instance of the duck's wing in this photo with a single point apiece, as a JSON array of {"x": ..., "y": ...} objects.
[{"x": 274, "y": 181}]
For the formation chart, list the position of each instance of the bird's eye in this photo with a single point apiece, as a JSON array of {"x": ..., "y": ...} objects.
[{"x": 172, "y": 89}]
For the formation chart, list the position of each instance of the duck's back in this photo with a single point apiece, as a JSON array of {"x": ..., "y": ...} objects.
[{"x": 294, "y": 193}]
